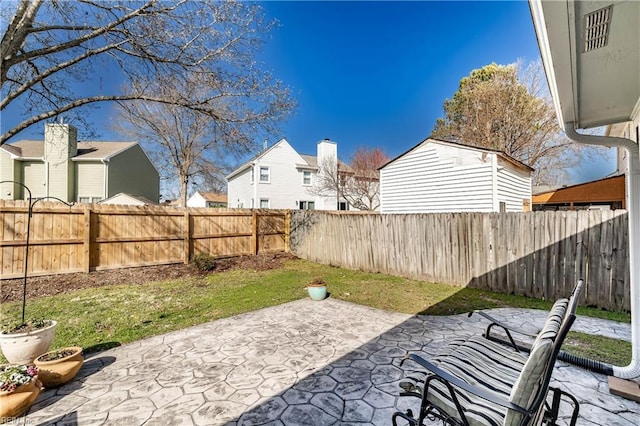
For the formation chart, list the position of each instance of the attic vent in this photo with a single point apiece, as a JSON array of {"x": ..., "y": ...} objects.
[{"x": 596, "y": 29}]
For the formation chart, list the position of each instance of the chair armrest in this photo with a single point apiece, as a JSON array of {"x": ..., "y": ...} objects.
[
  {"x": 455, "y": 381},
  {"x": 502, "y": 325}
]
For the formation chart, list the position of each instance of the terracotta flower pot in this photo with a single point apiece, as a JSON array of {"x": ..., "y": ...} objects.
[
  {"x": 23, "y": 348},
  {"x": 14, "y": 404},
  {"x": 59, "y": 371}
]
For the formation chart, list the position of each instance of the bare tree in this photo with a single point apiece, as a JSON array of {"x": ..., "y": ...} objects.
[
  {"x": 189, "y": 145},
  {"x": 508, "y": 109},
  {"x": 49, "y": 47},
  {"x": 357, "y": 183}
]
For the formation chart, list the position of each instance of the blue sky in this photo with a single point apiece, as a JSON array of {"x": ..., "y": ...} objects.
[{"x": 377, "y": 73}]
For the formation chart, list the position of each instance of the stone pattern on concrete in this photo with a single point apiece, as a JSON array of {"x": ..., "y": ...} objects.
[{"x": 301, "y": 363}]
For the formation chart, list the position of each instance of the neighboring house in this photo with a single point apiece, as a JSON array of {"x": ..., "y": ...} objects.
[
  {"x": 442, "y": 176},
  {"x": 605, "y": 194},
  {"x": 128, "y": 199},
  {"x": 207, "y": 199},
  {"x": 280, "y": 178},
  {"x": 85, "y": 172}
]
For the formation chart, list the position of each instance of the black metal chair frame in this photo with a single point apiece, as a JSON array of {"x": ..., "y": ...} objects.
[{"x": 429, "y": 411}]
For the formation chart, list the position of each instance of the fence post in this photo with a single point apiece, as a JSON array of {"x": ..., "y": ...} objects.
[
  {"x": 254, "y": 232},
  {"x": 287, "y": 231},
  {"x": 186, "y": 237},
  {"x": 86, "y": 261}
]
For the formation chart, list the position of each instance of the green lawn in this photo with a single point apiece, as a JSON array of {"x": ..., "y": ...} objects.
[{"x": 99, "y": 318}]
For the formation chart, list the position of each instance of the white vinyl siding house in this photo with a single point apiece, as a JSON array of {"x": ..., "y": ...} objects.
[
  {"x": 514, "y": 187},
  {"x": 279, "y": 178},
  {"x": 438, "y": 176}
]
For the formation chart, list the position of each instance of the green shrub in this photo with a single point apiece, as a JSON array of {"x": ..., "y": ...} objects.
[{"x": 203, "y": 262}]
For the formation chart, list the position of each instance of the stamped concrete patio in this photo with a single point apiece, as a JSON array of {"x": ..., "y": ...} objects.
[{"x": 301, "y": 363}]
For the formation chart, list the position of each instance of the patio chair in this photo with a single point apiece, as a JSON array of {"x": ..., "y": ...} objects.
[
  {"x": 508, "y": 331},
  {"x": 476, "y": 381}
]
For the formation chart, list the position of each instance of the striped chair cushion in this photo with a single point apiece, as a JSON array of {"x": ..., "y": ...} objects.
[
  {"x": 481, "y": 362},
  {"x": 528, "y": 383},
  {"x": 498, "y": 368},
  {"x": 553, "y": 322}
]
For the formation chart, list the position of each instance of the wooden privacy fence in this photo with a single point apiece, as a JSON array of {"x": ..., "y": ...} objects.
[
  {"x": 82, "y": 238},
  {"x": 537, "y": 254}
]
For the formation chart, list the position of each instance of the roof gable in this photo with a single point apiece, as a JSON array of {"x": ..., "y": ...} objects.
[
  {"x": 213, "y": 196},
  {"x": 265, "y": 153},
  {"x": 501, "y": 154}
]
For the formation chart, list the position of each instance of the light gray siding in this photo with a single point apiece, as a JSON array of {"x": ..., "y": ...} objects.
[
  {"x": 9, "y": 170},
  {"x": 514, "y": 186},
  {"x": 438, "y": 178},
  {"x": 90, "y": 180},
  {"x": 35, "y": 179},
  {"x": 132, "y": 172}
]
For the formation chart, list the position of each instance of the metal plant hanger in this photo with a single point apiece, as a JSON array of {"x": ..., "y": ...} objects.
[{"x": 32, "y": 203}]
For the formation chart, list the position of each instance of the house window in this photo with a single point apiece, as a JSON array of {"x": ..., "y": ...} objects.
[
  {"x": 307, "y": 205},
  {"x": 264, "y": 174},
  {"x": 306, "y": 177},
  {"x": 89, "y": 199},
  {"x": 343, "y": 205},
  {"x": 264, "y": 203}
]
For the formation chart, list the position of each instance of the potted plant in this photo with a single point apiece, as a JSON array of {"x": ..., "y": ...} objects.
[
  {"x": 59, "y": 366},
  {"x": 317, "y": 289},
  {"x": 19, "y": 387},
  {"x": 22, "y": 342}
]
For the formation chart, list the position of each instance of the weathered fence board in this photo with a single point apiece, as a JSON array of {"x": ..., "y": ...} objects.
[
  {"x": 538, "y": 254},
  {"x": 92, "y": 237}
]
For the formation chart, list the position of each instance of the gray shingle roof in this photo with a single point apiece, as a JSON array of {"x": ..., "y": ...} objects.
[{"x": 89, "y": 150}]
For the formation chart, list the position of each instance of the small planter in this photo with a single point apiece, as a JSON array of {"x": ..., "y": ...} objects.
[
  {"x": 59, "y": 366},
  {"x": 317, "y": 289},
  {"x": 14, "y": 403},
  {"x": 23, "y": 348}
]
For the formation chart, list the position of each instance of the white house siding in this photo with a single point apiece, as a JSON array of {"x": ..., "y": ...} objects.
[
  {"x": 9, "y": 170},
  {"x": 196, "y": 200},
  {"x": 514, "y": 186},
  {"x": 437, "y": 178},
  {"x": 240, "y": 190},
  {"x": 35, "y": 179},
  {"x": 285, "y": 186},
  {"x": 631, "y": 130},
  {"x": 90, "y": 180}
]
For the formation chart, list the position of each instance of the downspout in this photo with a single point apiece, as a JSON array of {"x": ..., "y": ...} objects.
[
  {"x": 106, "y": 179},
  {"x": 632, "y": 180},
  {"x": 495, "y": 201},
  {"x": 256, "y": 177}
]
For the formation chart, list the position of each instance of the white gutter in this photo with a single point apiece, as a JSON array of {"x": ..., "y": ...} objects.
[
  {"x": 255, "y": 168},
  {"x": 632, "y": 370},
  {"x": 106, "y": 179}
]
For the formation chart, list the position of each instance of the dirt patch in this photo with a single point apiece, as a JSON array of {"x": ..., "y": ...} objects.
[{"x": 11, "y": 290}]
